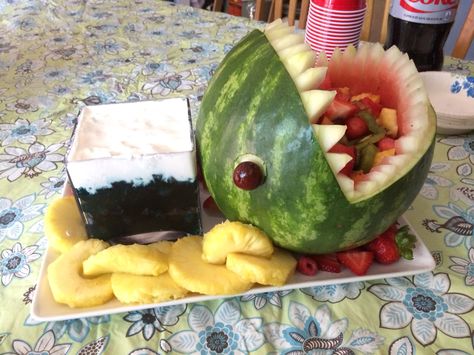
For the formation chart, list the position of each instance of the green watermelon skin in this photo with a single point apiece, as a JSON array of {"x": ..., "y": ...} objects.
[{"x": 253, "y": 107}]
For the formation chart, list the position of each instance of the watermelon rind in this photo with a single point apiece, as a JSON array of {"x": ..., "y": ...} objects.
[{"x": 252, "y": 106}]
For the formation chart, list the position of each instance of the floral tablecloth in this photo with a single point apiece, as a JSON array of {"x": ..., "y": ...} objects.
[{"x": 56, "y": 57}]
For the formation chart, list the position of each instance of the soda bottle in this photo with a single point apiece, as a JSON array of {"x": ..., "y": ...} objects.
[{"x": 420, "y": 28}]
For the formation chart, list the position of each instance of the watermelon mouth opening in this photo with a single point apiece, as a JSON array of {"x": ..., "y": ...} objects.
[{"x": 390, "y": 74}]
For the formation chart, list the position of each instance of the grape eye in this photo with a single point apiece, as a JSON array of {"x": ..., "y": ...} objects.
[{"x": 247, "y": 175}]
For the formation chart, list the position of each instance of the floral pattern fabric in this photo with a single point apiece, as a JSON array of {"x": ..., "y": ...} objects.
[{"x": 58, "y": 56}]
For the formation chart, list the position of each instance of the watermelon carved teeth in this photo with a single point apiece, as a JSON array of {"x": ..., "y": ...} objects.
[
  {"x": 298, "y": 59},
  {"x": 310, "y": 78},
  {"x": 329, "y": 135}
]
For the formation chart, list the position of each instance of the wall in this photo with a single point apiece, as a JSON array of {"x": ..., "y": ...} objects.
[{"x": 458, "y": 22}]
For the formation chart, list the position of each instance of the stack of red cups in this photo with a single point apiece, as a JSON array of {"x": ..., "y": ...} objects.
[{"x": 334, "y": 23}]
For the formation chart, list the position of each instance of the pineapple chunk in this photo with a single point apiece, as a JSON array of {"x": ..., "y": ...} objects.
[
  {"x": 374, "y": 97},
  {"x": 132, "y": 259},
  {"x": 138, "y": 289},
  {"x": 67, "y": 283},
  {"x": 388, "y": 120},
  {"x": 274, "y": 271},
  {"x": 189, "y": 270},
  {"x": 163, "y": 246},
  {"x": 237, "y": 237},
  {"x": 63, "y": 224}
]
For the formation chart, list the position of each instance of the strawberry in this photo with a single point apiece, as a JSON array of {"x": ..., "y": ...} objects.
[
  {"x": 327, "y": 262},
  {"x": 385, "y": 250},
  {"x": 341, "y": 148},
  {"x": 390, "y": 232},
  {"x": 373, "y": 107},
  {"x": 392, "y": 244},
  {"x": 307, "y": 266},
  {"x": 358, "y": 261},
  {"x": 356, "y": 128},
  {"x": 340, "y": 110},
  {"x": 210, "y": 206}
]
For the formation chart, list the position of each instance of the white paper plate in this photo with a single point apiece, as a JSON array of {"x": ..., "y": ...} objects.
[
  {"x": 452, "y": 97},
  {"x": 46, "y": 309}
]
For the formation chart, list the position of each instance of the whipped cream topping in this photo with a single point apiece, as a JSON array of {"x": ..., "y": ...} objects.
[
  {"x": 132, "y": 142},
  {"x": 132, "y": 130}
]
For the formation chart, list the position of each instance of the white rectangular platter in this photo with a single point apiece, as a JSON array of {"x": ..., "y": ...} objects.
[{"x": 46, "y": 309}]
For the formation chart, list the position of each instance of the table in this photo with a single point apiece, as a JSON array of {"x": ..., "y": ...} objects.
[{"x": 58, "y": 56}]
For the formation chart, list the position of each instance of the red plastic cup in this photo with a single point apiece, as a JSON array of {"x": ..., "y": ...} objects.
[
  {"x": 342, "y": 5},
  {"x": 324, "y": 22},
  {"x": 331, "y": 39},
  {"x": 342, "y": 13},
  {"x": 333, "y": 34},
  {"x": 334, "y": 23}
]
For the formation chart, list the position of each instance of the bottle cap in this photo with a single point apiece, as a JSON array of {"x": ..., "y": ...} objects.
[{"x": 344, "y": 5}]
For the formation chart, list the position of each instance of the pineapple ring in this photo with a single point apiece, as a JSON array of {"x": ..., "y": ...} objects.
[
  {"x": 136, "y": 289},
  {"x": 274, "y": 271},
  {"x": 163, "y": 246},
  {"x": 135, "y": 259},
  {"x": 67, "y": 283},
  {"x": 189, "y": 270},
  {"x": 63, "y": 225},
  {"x": 234, "y": 237}
]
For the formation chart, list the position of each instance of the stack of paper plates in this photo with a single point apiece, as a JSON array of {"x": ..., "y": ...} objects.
[{"x": 452, "y": 97}]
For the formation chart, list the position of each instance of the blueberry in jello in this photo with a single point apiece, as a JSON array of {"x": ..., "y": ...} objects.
[{"x": 133, "y": 170}]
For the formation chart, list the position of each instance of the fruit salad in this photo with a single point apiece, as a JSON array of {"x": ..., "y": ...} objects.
[{"x": 371, "y": 129}]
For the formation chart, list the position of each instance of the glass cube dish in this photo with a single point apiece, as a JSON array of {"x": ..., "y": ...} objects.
[{"x": 132, "y": 168}]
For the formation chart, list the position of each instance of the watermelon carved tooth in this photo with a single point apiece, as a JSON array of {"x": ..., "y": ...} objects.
[
  {"x": 385, "y": 168},
  {"x": 297, "y": 63},
  {"x": 310, "y": 79},
  {"x": 337, "y": 161},
  {"x": 328, "y": 135},
  {"x": 278, "y": 32},
  {"x": 287, "y": 52},
  {"x": 407, "y": 144},
  {"x": 316, "y": 102},
  {"x": 378, "y": 177},
  {"x": 322, "y": 60},
  {"x": 346, "y": 184},
  {"x": 287, "y": 41},
  {"x": 275, "y": 24},
  {"x": 366, "y": 186}
]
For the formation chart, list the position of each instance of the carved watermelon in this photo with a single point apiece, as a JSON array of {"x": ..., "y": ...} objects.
[{"x": 258, "y": 107}]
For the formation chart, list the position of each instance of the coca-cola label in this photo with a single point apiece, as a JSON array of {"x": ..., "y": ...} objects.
[{"x": 425, "y": 11}]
